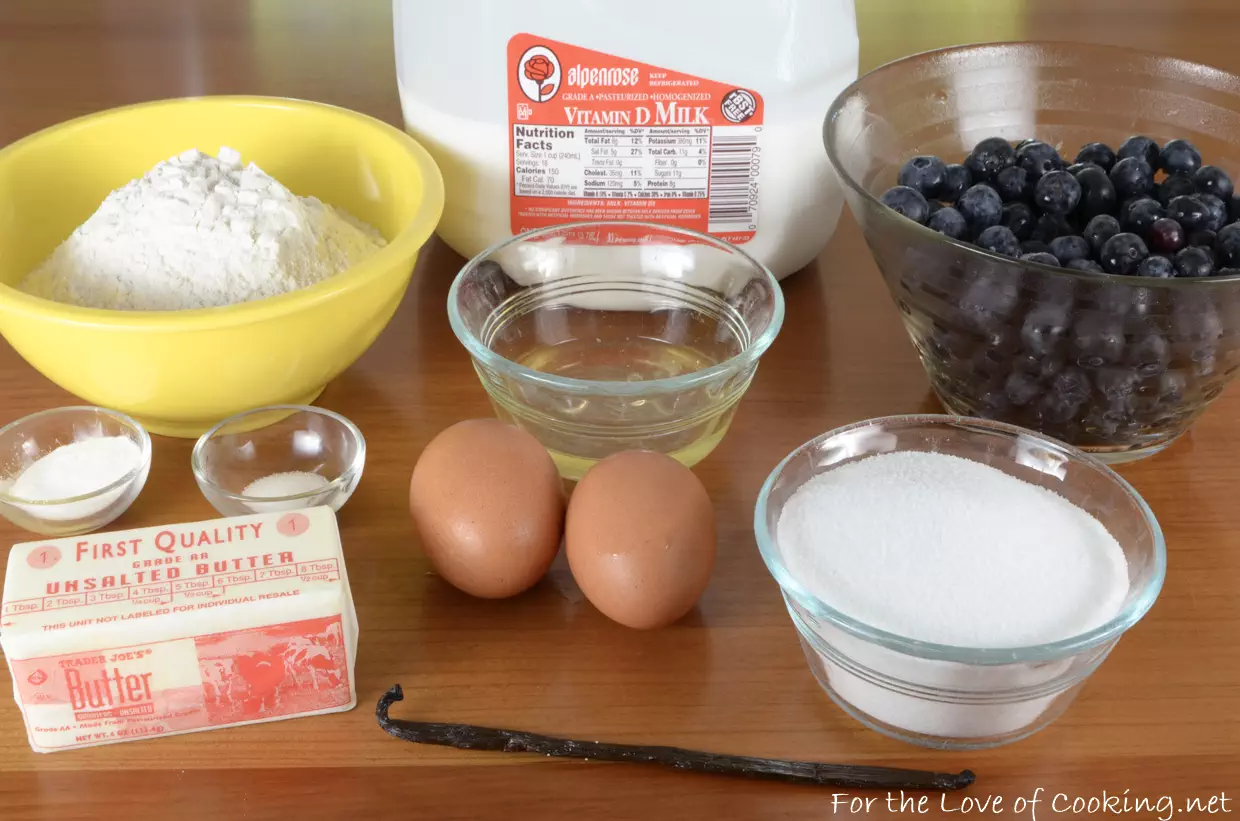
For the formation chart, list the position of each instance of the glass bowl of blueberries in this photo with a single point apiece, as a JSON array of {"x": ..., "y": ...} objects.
[{"x": 1058, "y": 227}]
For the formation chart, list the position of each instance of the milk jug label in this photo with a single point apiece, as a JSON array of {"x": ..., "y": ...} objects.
[{"x": 599, "y": 137}]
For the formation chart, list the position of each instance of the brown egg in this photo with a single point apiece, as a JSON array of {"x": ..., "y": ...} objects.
[
  {"x": 640, "y": 538},
  {"x": 489, "y": 506}
]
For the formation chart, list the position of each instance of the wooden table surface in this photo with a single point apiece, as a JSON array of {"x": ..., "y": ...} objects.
[{"x": 1161, "y": 717}]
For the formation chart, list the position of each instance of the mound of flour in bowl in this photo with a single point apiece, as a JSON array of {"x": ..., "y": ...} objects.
[{"x": 198, "y": 231}]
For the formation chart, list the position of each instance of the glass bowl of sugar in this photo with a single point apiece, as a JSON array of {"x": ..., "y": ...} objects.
[
  {"x": 955, "y": 581},
  {"x": 68, "y": 471},
  {"x": 280, "y": 457}
]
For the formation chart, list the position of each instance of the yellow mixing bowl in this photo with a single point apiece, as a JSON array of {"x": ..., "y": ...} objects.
[{"x": 180, "y": 372}]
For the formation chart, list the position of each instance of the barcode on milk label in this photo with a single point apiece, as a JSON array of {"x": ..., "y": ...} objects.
[
  {"x": 123, "y": 693},
  {"x": 600, "y": 137}
]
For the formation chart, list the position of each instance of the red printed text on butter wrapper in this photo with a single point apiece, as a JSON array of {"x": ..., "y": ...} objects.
[{"x": 180, "y": 685}]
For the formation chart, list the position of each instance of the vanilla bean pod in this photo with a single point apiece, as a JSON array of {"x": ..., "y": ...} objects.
[{"x": 471, "y": 737}]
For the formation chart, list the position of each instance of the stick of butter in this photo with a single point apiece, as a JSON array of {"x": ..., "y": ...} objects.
[{"x": 118, "y": 636}]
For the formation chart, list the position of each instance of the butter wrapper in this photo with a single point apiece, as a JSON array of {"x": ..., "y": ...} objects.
[{"x": 113, "y": 637}]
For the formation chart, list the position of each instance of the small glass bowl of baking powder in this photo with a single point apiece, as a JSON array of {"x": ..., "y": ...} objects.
[
  {"x": 303, "y": 457},
  {"x": 894, "y": 681},
  {"x": 71, "y": 470}
]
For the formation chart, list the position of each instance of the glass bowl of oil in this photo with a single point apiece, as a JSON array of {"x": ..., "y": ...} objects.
[{"x": 601, "y": 337}]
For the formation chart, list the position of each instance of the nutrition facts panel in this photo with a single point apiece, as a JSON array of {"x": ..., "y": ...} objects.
[{"x": 672, "y": 163}]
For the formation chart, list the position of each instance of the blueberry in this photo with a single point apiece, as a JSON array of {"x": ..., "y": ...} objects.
[
  {"x": 1210, "y": 179},
  {"x": 949, "y": 222},
  {"x": 1108, "y": 421},
  {"x": 1139, "y": 215},
  {"x": 1011, "y": 183},
  {"x": 1122, "y": 253},
  {"x": 1114, "y": 382},
  {"x": 1053, "y": 410},
  {"x": 1176, "y": 185},
  {"x": 1194, "y": 261},
  {"x": 1018, "y": 218},
  {"x": 1097, "y": 153},
  {"x": 1077, "y": 167},
  {"x": 1070, "y": 247},
  {"x": 1071, "y": 384},
  {"x": 932, "y": 207},
  {"x": 987, "y": 301},
  {"x": 1097, "y": 340},
  {"x": 1204, "y": 239},
  {"x": 1165, "y": 236},
  {"x": 956, "y": 180},
  {"x": 989, "y": 157},
  {"x": 1149, "y": 354},
  {"x": 1171, "y": 386},
  {"x": 999, "y": 240},
  {"x": 1040, "y": 257},
  {"x": 1189, "y": 212},
  {"x": 1097, "y": 192},
  {"x": 1057, "y": 192},
  {"x": 906, "y": 201},
  {"x": 1233, "y": 208},
  {"x": 1226, "y": 272},
  {"x": 1157, "y": 267},
  {"x": 1100, "y": 229},
  {"x": 981, "y": 206},
  {"x": 1034, "y": 246},
  {"x": 1227, "y": 246},
  {"x": 1142, "y": 148},
  {"x": 1195, "y": 322},
  {"x": 1044, "y": 328},
  {"x": 1050, "y": 226},
  {"x": 1038, "y": 158},
  {"x": 1179, "y": 157},
  {"x": 1136, "y": 302},
  {"x": 1132, "y": 178},
  {"x": 1086, "y": 265},
  {"x": 924, "y": 174},
  {"x": 1021, "y": 389},
  {"x": 1216, "y": 209}
]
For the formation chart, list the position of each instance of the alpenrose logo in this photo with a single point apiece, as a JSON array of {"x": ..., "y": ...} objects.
[{"x": 538, "y": 73}]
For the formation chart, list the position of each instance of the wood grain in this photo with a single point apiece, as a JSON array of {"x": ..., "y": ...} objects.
[{"x": 1162, "y": 716}]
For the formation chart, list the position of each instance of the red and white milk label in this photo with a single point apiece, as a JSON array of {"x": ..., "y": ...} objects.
[
  {"x": 119, "y": 636},
  {"x": 599, "y": 137}
]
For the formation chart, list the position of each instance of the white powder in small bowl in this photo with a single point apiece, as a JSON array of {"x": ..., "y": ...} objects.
[
  {"x": 277, "y": 485},
  {"x": 76, "y": 469}
]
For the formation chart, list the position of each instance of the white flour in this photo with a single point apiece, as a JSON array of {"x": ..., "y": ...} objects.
[
  {"x": 948, "y": 550},
  {"x": 198, "y": 231},
  {"x": 77, "y": 469}
]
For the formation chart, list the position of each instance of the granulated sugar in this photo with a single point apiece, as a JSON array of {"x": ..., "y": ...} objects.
[
  {"x": 196, "y": 232},
  {"x": 947, "y": 550}
]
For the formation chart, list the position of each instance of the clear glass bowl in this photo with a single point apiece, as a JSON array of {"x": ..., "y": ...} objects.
[
  {"x": 610, "y": 336},
  {"x": 320, "y": 452},
  {"x": 1148, "y": 355},
  {"x": 31, "y": 438},
  {"x": 957, "y": 697}
]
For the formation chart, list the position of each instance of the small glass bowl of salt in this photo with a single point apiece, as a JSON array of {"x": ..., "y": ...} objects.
[
  {"x": 68, "y": 471},
  {"x": 955, "y": 581},
  {"x": 281, "y": 457}
]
